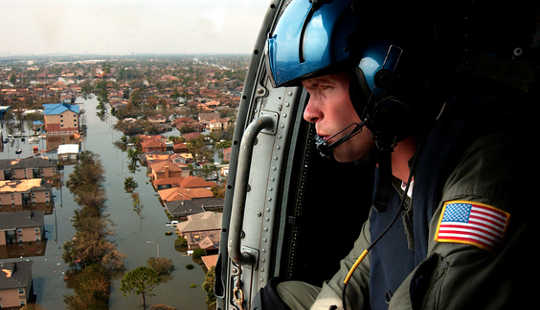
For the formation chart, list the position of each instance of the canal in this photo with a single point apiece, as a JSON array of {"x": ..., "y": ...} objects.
[{"x": 138, "y": 235}]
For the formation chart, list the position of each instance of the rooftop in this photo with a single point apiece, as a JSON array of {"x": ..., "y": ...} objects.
[
  {"x": 20, "y": 219},
  {"x": 31, "y": 162},
  {"x": 59, "y": 108},
  {"x": 201, "y": 221},
  {"x": 15, "y": 275},
  {"x": 19, "y": 185}
]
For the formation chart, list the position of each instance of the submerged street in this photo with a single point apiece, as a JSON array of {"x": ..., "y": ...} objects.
[{"x": 138, "y": 233}]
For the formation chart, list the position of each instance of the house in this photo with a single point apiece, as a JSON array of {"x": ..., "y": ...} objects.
[
  {"x": 68, "y": 151},
  {"x": 205, "y": 118},
  {"x": 179, "y": 193},
  {"x": 166, "y": 169},
  {"x": 21, "y": 226},
  {"x": 165, "y": 183},
  {"x": 152, "y": 143},
  {"x": 180, "y": 148},
  {"x": 28, "y": 168},
  {"x": 61, "y": 118},
  {"x": 202, "y": 229},
  {"x": 196, "y": 182},
  {"x": 148, "y": 158},
  {"x": 183, "y": 208},
  {"x": 23, "y": 193},
  {"x": 182, "y": 158},
  {"x": 15, "y": 284},
  {"x": 157, "y": 119},
  {"x": 186, "y": 124}
]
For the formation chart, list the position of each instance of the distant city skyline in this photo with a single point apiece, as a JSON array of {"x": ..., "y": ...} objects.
[{"x": 126, "y": 27}]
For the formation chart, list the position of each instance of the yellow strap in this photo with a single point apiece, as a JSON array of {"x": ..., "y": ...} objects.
[{"x": 354, "y": 266}]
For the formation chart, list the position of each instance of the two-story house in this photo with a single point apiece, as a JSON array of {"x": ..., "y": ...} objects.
[
  {"x": 15, "y": 284},
  {"x": 166, "y": 173},
  {"x": 28, "y": 168},
  {"x": 18, "y": 194},
  {"x": 22, "y": 226},
  {"x": 152, "y": 143},
  {"x": 61, "y": 118}
]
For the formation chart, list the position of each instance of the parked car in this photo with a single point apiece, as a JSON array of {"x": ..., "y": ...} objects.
[{"x": 171, "y": 223}]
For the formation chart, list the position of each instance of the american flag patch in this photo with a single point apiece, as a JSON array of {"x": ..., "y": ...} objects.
[{"x": 472, "y": 223}]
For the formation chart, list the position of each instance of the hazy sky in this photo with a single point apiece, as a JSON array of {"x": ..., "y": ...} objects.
[{"x": 129, "y": 26}]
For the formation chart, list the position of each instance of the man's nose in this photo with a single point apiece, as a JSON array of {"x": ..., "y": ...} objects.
[{"x": 312, "y": 113}]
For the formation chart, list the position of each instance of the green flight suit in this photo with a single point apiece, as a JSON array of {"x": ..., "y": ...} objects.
[{"x": 453, "y": 275}]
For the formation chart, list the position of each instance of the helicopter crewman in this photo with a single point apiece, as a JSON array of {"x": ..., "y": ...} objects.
[{"x": 423, "y": 94}]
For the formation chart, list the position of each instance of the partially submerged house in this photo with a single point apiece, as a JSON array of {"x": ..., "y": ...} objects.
[
  {"x": 28, "y": 168},
  {"x": 17, "y": 194},
  {"x": 61, "y": 118},
  {"x": 21, "y": 226},
  {"x": 15, "y": 284}
]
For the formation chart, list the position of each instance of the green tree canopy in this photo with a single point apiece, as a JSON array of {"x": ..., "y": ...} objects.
[{"x": 140, "y": 281}]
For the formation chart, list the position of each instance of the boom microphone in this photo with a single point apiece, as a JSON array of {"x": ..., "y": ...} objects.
[{"x": 326, "y": 149}]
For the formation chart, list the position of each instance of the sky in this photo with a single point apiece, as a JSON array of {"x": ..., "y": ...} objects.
[{"x": 124, "y": 27}]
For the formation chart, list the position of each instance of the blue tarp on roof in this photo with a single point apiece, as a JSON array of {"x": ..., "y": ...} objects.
[{"x": 58, "y": 108}]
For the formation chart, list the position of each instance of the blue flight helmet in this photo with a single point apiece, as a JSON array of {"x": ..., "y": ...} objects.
[{"x": 312, "y": 38}]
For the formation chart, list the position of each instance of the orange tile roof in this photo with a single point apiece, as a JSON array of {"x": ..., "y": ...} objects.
[
  {"x": 195, "y": 182},
  {"x": 178, "y": 193}
]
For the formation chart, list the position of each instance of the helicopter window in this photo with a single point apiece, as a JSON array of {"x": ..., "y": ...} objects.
[{"x": 327, "y": 205}]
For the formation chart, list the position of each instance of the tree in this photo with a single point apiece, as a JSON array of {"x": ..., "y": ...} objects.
[
  {"x": 208, "y": 286},
  {"x": 162, "y": 265},
  {"x": 140, "y": 281},
  {"x": 91, "y": 287},
  {"x": 130, "y": 184}
]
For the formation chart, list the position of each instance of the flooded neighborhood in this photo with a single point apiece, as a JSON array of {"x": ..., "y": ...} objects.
[{"x": 97, "y": 157}]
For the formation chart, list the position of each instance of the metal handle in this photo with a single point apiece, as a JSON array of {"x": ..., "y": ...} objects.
[{"x": 240, "y": 186}]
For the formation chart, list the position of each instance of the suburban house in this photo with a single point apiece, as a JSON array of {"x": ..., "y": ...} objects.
[
  {"x": 201, "y": 230},
  {"x": 22, "y": 193},
  {"x": 185, "y": 124},
  {"x": 150, "y": 158},
  {"x": 206, "y": 118},
  {"x": 180, "y": 193},
  {"x": 183, "y": 208},
  {"x": 15, "y": 284},
  {"x": 188, "y": 182},
  {"x": 166, "y": 169},
  {"x": 218, "y": 124},
  {"x": 61, "y": 118},
  {"x": 180, "y": 148},
  {"x": 152, "y": 143},
  {"x": 28, "y": 168},
  {"x": 21, "y": 226}
]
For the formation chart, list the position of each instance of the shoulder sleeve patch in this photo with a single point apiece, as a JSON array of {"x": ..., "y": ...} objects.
[{"x": 472, "y": 223}]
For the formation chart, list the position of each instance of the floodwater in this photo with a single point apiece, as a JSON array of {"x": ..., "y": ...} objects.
[{"x": 138, "y": 236}]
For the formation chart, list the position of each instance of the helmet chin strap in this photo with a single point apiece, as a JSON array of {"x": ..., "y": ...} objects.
[{"x": 326, "y": 149}]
